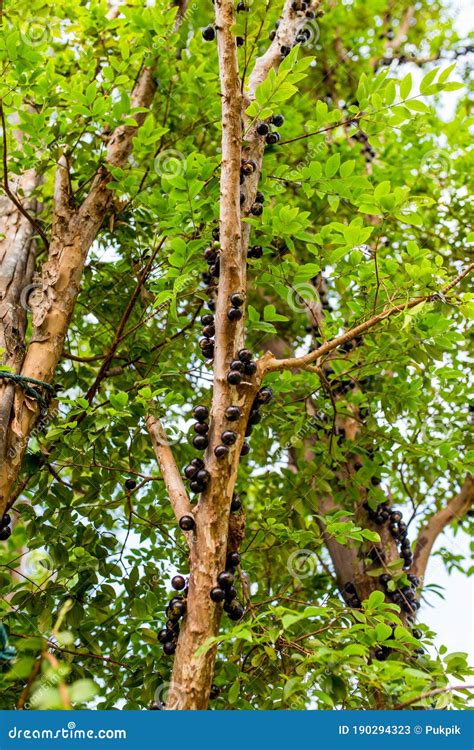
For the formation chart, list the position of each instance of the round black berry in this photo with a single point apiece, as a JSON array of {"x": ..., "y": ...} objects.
[
  {"x": 250, "y": 368},
  {"x": 196, "y": 486},
  {"x": 232, "y": 413},
  {"x": 203, "y": 476},
  {"x": 201, "y": 413},
  {"x": 257, "y": 209},
  {"x": 262, "y": 128},
  {"x": 200, "y": 442},
  {"x": 5, "y": 533},
  {"x": 220, "y": 451},
  {"x": 235, "y": 610},
  {"x": 265, "y": 395},
  {"x": 178, "y": 582},
  {"x": 248, "y": 167},
  {"x": 255, "y": 252},
  {"x": 228, "y": 437},
  {"x": 245, "y": 355},
  {"x": 284, "y": 51},
  {"x": 169, "y": 647},
  {"x": 130, "y": 484},
  {"x": 278, "y": 120},
  {"x": 208, "y": 331},
  {"x": 234, "y": 377},
  {"x": 208, "y": 33},
  {"x": 240, "y": 41},
  {"x": 215, "y": 692},
  {"x": 201, "y": 428},
  {"x": 225, "y": 580},
  {"x": 234, "y": 314},
  {"x": 236, "y": 503},
  {"x": 255, "y": 417},
  {"x": 165, "y": 635},
  {"x": 217, "y": 594},
  {"x": 210, "y": 255},
  {"x": 187, "y": 523},
  {"x": 259, "y": 197},
  {"x": 272, "y": 138},
  {"x": 233, "y": 559},
  {"x": 245, "y": 450},
  {"x": 207, "y": 320},
  {"x": 237, "y": 300},
  {"x": 197, "y": 462},
  {"x": 236, "y": 364},
  {"x": 190, "y": 471},
  {"x": 6, "y": 520}
]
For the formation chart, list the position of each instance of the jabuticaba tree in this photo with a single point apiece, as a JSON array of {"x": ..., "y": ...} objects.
[{"x": 234, "y": 304}]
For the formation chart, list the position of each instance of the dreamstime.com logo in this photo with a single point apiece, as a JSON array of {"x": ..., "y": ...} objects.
[{"x": 67, "y": 733}]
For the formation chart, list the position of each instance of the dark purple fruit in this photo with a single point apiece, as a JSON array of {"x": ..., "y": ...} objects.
[
  {"x": 215, "y": 690},
  {"x": 169, "y": 648},
  {"x": 5, "y": 533},
  {"x": 202, "y": 428},
  {"x": 208, "y": 33},
  {"x": 190, "y": 471},
  {"x": 236, "y": 503},
  {"x": 272, "y": 138},
  {"x": 178, "y": 582},
  {"x": 200, "y": 442},
  {"x": 234, "y": 314},
  {"x": 208, "y": 331},
  {"x": 220, "y": 451},
  {"x": 210, "y": 255},
  {"x": 236, "y": 364},
  {"x": 233, "y": 559},
  {"x": 248, "y": 167},
  {"x": 207, "y": 320},
  {"x": 240, "y": 41},
  {"x": 196, "y": 487},
  {"x": 197, "y": 462},
  {"x": 234, "y": 377},
  {"x": 7, "y": 519},
  {"x": 201, "y": 413},
  {"x": 237, "y": 299},
  {"x": 413, "y": 579},
  {"x": 232, "y": 413},
  {"x": 245, "y": 355},
  {"x": 257, "y": 209},
  {"x": 259, "y": 198},
  {"x": 255, "y": 418},
  {"x": 235, "y": 611},
  {"x": 225, "y": 580},
  {"x": 262, "y": 128},
  {"x": 255, "y": 252},
  {"x": 187, "y": 523},
  {"x": 250, "y": 368},
  {"x": 278, "y": 120},
  {"x": 265, "y": 395},
  {"x": 229, "y": 437},
  {"x": 245, "y": 450},
  {"x": 165, "y": 635},
  {"x": 203, "y": 476},
  {"x": 130, "y": 484},
  {"x": 217, "y": 594}
]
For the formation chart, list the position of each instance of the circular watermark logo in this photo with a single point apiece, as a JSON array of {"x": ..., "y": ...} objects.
[
  {"x": 302, "y": 564},
  {"x": 436, "y": 162},
  {"x": 26, "y": 293},
  {"x": 35, "y": 32},
  {"x": 169, "y": 695},
  {"x": 301, "y": 297},
  {"x": 169, "y": 163},
  {"x": 37, "y": 564}
]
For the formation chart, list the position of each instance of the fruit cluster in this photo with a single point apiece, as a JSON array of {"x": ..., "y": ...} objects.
[
  {"x": 5, "y": 527},
  {"x": 243, "y": 365},
  {"x": 225, "y": 590},
  {"x": 175, "y": 610},
  {"x": 264, "y": 129},
  {"x": 404, "y": 596},
  {"x": 397, "y": 527},
  {"x": 201, "y": 427}
]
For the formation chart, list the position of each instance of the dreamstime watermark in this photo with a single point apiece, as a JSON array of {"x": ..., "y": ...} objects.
[
  {"x": 26, "y": 293},
  {"x": 169, "y": 696},
  {"x": 302, "y": 564},
  {"x": 35, "y": 31},
  {"x": 37, "y": 564},
  {"x": 436, "y": 162},
  {"x": 302, "y": 296},
  {"x": 169, "y": 163}
]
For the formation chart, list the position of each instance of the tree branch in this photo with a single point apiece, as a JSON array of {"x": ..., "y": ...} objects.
[
  {"x": 456, "y": 508},
  {"x": 268, "y": 363},
  {"x": 169, "y": 470}
]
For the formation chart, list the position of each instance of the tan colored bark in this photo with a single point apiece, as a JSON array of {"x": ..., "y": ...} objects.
[{"x": 456, "y": 508}]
